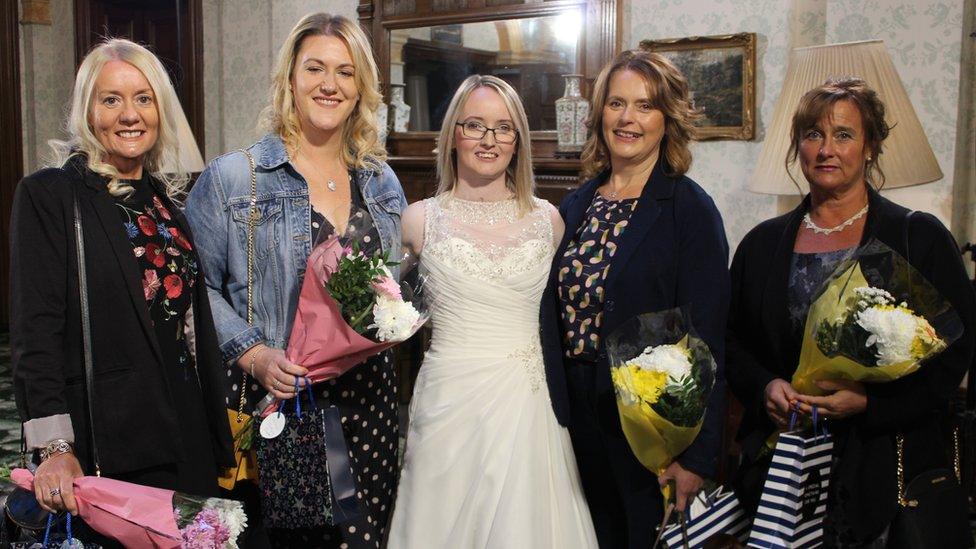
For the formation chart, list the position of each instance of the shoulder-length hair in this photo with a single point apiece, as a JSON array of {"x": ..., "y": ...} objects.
[
  {"x": 518, "y": 174},
  {"x": 667, "y": 89},
  {"x": 360, "y": 132},
  {"x": 819, "y": 102},
  {"x": 82, "y": 140}
]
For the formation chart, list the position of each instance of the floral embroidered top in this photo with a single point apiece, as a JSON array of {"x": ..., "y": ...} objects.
[
  {"x": 168, "y": 265},
  {"x": 583, "y": 269}
]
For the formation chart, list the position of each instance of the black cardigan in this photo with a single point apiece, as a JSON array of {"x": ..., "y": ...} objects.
[
  {"x": 135, "y": 421},
  {"x": 673, "y": 253},
  {"x": 761, "y": 346}
]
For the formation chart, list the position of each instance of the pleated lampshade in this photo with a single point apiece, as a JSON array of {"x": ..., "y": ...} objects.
[{"x": 907, "y": 158}]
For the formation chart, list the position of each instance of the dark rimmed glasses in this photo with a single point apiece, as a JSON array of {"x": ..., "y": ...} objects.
[{"x": 504, "y": 133}]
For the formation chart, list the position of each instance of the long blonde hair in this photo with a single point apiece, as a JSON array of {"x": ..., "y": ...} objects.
[
  {"x": 360, "y": 132},
  {"x": 668, "y": 90},
  {"x": 82, "y": 140},
  {"x": 518, "y": 174}
]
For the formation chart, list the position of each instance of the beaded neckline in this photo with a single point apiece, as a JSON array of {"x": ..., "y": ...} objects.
[{"x": 489, "y": 213}]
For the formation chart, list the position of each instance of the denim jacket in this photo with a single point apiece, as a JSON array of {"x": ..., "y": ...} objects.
[{"x": 217, "y": 209}]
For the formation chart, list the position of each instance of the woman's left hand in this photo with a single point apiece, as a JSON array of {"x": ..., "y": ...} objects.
[
  {"x": 846, "y": 399},
  {"x": 686, "y": 484}
]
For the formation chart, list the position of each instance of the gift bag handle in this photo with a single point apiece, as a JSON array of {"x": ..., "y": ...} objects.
[
  {"x": 817, "y": 421},
  {"x": 304, "y": 384},
  {"x": 50, "y": 523}
]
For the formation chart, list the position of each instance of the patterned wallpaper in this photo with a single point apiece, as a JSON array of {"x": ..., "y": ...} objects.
[
  {"x": 922, "y": 36},
  {"x": 239, "y": 55},
  {"x": 924, "y": 40}
]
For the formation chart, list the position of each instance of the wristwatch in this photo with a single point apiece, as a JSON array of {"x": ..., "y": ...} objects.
[{"x": 56, "y": 447}]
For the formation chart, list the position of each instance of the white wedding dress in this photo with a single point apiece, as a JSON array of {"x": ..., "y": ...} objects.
[{"x": 486, "y": 464}]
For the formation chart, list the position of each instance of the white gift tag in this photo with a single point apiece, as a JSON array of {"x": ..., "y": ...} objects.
[
  {"x": 73, "y": 543},
  {"x": 273, "y": 425}
]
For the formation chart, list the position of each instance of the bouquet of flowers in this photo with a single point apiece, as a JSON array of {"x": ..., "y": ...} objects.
[
  {"x": 352, "y": 306},
  {"x": 663, "y": 375},
  {"x": 140, "y": 516},
  {"x": 875, "y": 319}
]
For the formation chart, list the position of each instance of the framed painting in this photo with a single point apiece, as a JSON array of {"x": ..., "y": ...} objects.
[{"x": 721, "y": 73}]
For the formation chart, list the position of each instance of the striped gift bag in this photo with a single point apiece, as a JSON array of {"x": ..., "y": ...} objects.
[
  {"x": 794, "y": 497},
  {"x": 722, "y": 514}
]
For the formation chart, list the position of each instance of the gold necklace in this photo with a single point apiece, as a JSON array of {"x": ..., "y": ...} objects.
[{"x": 612, "y": 195}]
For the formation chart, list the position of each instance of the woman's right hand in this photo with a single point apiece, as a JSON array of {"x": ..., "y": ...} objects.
[
  {"x": 779, "y": 399},
  {"x": 272, "y": 370},
  {"x": 54, "y": 483}
]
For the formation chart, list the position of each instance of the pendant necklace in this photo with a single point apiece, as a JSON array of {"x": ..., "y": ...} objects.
[
  {"x": 330, "y": 184},
  {"x": 808, "y": 222},
  {"x": 612, "y": 195}
]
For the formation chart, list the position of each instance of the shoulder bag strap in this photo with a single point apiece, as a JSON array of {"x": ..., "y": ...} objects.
[
  {"x": 86, "y": 331},
  {"x": 251, "y": 220}
]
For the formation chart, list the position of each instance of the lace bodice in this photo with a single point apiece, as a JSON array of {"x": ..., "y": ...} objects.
[{"x": 487, "y": 240}]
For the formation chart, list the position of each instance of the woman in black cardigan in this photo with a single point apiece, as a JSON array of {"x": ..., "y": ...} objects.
[
  {"x": 640, "y": 237},
  {"x": 837, "y": 135},
  {"x": 157, "y": 405}
]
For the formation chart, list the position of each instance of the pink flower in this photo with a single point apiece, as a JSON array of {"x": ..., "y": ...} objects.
[
  {"x": 150, "y": 283},
  {"x": 205, "y": 532},
  {"x": 388, "y": 287},
  {"x": 346, "y": 250}
]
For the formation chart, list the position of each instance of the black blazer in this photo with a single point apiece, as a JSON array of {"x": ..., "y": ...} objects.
[
  {"x": 761, "y": 346},
  {"x": 673, "y": 253},
  {"x": 135, "y": 421}
]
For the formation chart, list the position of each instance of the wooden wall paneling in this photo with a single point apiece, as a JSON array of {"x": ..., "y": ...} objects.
[{"x": 11, "y": 146}]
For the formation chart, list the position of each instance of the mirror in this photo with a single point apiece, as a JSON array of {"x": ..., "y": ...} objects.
[{"x": 532, "y": 54}]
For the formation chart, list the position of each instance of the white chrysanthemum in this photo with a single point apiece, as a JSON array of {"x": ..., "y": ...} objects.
[
  {"x": 873, "y": 296},
  {"x": 393, "y": 318},
  {"x": 673, "y": 360},
  {"x": 231, "y": 515},
  {"x": 892, "y": 332}
]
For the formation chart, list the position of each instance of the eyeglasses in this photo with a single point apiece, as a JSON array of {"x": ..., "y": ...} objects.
[{"x": 504, "y": 133}]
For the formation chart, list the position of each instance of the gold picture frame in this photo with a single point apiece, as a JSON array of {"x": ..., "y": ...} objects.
[{"x": 721, "y": 73}]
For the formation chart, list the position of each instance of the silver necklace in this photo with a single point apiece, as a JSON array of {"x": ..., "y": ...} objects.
[
  {"x": 808, "y": 222},
  {"x": 330, "y": 184},
  {"x": 612, "y": 195}
]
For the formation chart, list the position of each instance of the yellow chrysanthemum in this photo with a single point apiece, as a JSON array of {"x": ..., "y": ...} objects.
[{"x": 641, "y": 385}]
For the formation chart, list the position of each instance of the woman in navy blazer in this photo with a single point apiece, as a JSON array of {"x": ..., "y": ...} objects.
[{"x": 640, "y": 237}]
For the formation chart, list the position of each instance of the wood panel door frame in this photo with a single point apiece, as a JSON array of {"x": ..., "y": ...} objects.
[
  {"x": 193, "y": 107},
  {"x": 11, "y": 142}
]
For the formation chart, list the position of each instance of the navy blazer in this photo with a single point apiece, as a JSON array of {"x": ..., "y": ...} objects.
[{"x": 673, "y": 253}]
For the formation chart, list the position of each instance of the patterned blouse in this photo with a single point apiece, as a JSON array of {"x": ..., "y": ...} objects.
[
  {"x": 583, "y": 269},
  {"x": 808, "y": 272}
]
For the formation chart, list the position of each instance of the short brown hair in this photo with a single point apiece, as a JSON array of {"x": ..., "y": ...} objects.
[
  {"x": 818, "y": 102},
  {"x": 668, "y": 91}
]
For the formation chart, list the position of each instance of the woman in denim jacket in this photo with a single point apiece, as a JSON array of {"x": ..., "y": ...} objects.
[{"x": 320, "y": 168}]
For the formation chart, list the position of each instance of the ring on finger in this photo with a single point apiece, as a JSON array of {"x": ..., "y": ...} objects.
[
  {"x": 277, "y": 386},
  {"x": 55, "y": 492}
]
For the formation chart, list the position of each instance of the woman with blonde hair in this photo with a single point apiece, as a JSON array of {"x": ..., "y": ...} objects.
[
  {"x": 641, "y": 237},
  {"x": 320, "y": 164},
  {"x": 154, "y": 415},
  {"x": 487, "y": 464}
]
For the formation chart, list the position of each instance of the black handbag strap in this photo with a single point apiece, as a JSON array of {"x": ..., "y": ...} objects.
[{"x": 86, "y": 331}]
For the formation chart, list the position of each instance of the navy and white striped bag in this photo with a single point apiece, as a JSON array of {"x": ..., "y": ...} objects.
[
  {"x": 794, "y": 497},
  {"x": 723, "y": 516}
]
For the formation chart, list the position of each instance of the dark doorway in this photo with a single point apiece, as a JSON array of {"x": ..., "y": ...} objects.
[
  {"x": 170, "y": 28},
  {"x": 11, "y": 148}
]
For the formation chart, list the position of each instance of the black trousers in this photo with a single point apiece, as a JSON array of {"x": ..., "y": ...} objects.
[{"x": 623, "y": 496}]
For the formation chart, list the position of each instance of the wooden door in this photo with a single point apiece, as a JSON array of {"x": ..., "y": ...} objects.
[
  {"x": 11, "y": 147},
  {"x": 170, "y": 28}
]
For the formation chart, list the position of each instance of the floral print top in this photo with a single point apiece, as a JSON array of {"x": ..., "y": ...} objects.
[
  {"x": 583, "y": 269},
  {"x": 168, "y": 265}
]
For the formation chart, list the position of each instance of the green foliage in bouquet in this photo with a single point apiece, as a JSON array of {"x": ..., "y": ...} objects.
[
  {"x": 684, "y": 402},
  {"x": 846, "y": 337},
  {"x": 351, "y": 286}
]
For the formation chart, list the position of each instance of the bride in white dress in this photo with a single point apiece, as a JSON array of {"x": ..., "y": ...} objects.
[{"x": 486, "y": 463}]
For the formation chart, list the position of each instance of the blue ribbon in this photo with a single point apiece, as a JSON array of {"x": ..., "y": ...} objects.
[{"x": 50, "y": 522}]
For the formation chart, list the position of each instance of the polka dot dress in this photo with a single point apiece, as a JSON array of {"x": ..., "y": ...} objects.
[{"x": 367, "y": 400}]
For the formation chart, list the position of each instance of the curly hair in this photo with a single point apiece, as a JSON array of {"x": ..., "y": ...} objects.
[
  {"x": 360, "y": 132},
  {"x": 668, "y": 90},
  {"x": 818, "y": 102}
]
